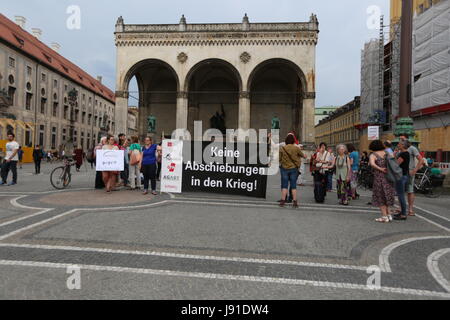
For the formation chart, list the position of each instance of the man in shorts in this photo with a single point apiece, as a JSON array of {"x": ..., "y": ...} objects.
[{"x": 414, "y": 167}]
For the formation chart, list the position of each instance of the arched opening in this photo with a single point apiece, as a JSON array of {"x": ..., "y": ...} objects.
[
  {"x": 276, "y": 92},
  {"x": 213, "y": 87},
  {"x": 152, "y": 87}
]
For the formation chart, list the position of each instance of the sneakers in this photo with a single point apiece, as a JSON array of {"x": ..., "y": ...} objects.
[
  {"x": 2, "y": 183},
  {"x": 12, "y": 183}
]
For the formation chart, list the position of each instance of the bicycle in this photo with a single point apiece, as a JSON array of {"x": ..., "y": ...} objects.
[
  {"x": 365, "y": 178},
  {"x": 61, "y": 177},
  {"x": 428, "y": 185}
]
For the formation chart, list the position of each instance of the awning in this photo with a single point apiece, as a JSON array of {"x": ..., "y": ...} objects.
[{"x": 21, "y": 124}]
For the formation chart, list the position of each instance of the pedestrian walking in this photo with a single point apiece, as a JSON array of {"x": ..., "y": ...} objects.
[
  {"x": 416, "y": 162},
  {"x": 354, "y": 162},
  {"x": 78, "y": 157},
  {"x": 10, "y": 161},
  {"x": 343, "y": 174},
  {"x": 403, "y": 159},
  {"x": 383, "y": 193},
  {"x": 135, "y": 152},
  {"x": 37, "y": 158},
  {"x": 148, "y": 165},
  {"x": 110, "y": 177},
  {"x": 290, "y": 160},
  {"x": 20, "y": 154}
]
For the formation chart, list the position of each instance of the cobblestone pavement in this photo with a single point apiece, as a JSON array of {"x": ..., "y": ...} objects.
[{"x": 207, "y": 246}]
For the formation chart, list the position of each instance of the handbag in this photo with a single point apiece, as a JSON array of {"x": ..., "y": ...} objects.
[{"x": 394, "y": 172}]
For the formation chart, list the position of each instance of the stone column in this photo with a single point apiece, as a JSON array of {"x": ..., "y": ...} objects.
[
  {"x": 121, "y": 112},
  {"x": 182, "y": 110},
  {"x": 244, "y": 110},
  {"x": 308, "y": 130}
]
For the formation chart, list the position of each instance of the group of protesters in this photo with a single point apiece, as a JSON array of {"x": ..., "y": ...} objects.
[
  {"x": 142, "y": 164},
  {"x": 345, "y": 164}
]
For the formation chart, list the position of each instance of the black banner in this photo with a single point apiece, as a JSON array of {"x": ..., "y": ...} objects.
[{"x": 225, "y": 168}]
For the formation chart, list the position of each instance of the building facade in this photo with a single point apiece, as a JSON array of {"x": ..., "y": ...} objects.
[
  {"x": 343, "y": 126},
  {"x": 50, "y": 98},
  {"x": 246, "y": 73},
  {"x": 322, "y": 113}
]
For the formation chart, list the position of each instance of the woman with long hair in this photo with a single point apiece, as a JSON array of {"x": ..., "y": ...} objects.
[
  {"x": 110, "y": 177},
  {"x": 290, "y": 158}
]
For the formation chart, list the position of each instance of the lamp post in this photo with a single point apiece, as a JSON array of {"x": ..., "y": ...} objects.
[{"x": 405, "y": 124}]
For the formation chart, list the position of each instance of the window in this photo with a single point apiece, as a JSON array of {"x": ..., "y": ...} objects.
[
  {"x": 12, "y": 62},
  {"x": 43, "y": 77},
  {"x": 66, "y": 112},
  {"x": 11, "y": 95},
  {"x": 89, "y": 119},
  {"x": 28, "y": 99},
  {"x": 55, "y": 109},
  {"x": 55, "y": 83},
  {"x": 66, "y": 87},
  {"x": 53, "y": 138},
  {"x": 29, "y": 71},
  {"x": 41, "y": 135},
  {"x": 83, "y": 117},
  {"x": 28, "y": 141},
  {"x": 43, "y": 103}
]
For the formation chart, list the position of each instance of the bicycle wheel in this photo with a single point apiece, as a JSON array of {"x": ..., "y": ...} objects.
[
  {"x": 59, "y": 178},
  {"x": 432, "y": 191}
]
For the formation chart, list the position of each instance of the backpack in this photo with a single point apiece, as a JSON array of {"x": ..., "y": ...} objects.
[
  {"x": 394, "y": 172},
  {"x": 135, "y": 157}
]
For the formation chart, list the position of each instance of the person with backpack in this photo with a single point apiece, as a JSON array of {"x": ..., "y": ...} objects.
[
  {"x": 383, "y": 193},
  {"x": 343, "y": 167},
  {"x": 290, "y": 160},
  {"x": 134, "y": 166},
  {"x": 403, "y": 159}
]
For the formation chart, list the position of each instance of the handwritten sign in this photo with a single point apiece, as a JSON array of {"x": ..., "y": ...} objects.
[{"x": 109, "y": 160}]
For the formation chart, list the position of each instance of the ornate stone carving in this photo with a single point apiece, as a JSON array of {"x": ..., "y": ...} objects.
[
  {"x": 309, "y": 95},
  {"x": 245, "y": 57},
  {"x": 182, "y": 57},
  {"x": 122, "y": 94}
]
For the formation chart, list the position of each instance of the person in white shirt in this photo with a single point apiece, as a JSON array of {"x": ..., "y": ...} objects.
[{"x": 11, "y": 159}]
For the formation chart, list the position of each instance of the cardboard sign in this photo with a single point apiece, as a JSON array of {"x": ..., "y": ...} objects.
[
  {"x": 109, "y": 160},
  {"x": 172, "y": 166}
]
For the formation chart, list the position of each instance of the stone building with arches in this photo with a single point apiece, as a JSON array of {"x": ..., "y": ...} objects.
[{"x": 248, "y": 72}]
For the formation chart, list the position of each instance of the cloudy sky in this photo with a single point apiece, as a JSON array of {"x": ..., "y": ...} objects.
[{"x": 343, "y": 30}]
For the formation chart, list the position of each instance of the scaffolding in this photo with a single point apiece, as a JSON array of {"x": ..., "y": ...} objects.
[{"x": 431, "y": 57}]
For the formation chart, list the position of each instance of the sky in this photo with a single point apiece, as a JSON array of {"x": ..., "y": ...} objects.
[{"x": 344, "y": 28}]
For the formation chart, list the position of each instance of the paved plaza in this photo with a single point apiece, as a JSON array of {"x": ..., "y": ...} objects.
[{"x": 207, "y": 246}]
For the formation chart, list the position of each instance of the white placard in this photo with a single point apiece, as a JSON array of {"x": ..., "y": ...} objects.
[
  {"x": 172, "y": 166},
  {"x": 373, "y": 133},
  {"x": 109, "y": 160}
]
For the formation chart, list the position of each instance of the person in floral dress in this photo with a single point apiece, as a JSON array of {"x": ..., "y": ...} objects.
[{"x": 383, "y": 191}]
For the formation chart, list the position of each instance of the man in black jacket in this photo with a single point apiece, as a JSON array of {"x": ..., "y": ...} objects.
[{"x": 37, "y": 157}]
